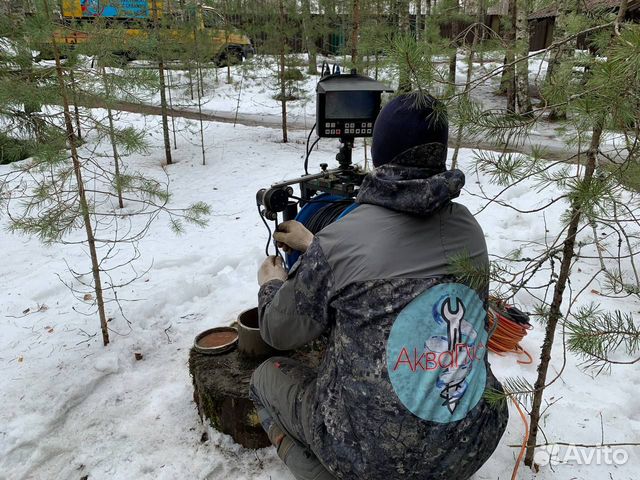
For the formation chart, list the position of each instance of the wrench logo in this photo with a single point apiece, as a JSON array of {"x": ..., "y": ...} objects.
[
  {"x": 454, "y": 320},
  {"x": 435, "y": 353},
  {"x": 454, "y": 386}
]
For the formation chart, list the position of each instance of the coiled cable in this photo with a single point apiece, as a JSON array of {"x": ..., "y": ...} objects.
[{"x": 509, "y": 326}]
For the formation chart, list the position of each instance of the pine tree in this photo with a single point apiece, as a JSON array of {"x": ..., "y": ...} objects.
[
  {"x": 159, "y": 37},
  {"x": 596, "y": 103},
  {"x": 67, "y": 187}
]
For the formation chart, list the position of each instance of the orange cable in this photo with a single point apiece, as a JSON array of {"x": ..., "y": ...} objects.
[
  {"x": 523, "y": 448},
  {"x": 507, "y": 334},
  {"x": 506, "y": 338}
]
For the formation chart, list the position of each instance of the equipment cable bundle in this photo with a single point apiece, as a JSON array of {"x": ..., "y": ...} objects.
[{"x": 509, "y": 326}]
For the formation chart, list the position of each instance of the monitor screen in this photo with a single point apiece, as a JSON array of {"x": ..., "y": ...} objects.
[{"x": 351, "y": 105}]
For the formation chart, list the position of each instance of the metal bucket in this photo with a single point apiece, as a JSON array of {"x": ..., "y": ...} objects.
[{"x": 250, "y": 342}]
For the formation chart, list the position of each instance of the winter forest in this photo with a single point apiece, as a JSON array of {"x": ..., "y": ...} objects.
[{"x": 134, "y": 136}]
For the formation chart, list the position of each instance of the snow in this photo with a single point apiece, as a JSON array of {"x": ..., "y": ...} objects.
[{"x": 76, "y": 408}]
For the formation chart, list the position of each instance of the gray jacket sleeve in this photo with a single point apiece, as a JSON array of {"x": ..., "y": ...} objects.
[{"x": 294, "y": 312}]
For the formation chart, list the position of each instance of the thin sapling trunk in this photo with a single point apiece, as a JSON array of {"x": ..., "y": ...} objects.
[{"x": 555, "y": 311}]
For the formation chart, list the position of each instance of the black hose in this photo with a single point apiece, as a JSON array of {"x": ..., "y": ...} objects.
[
  {"x": 326, "y": 216},
  {"x": 306, "y": 158},
  {"x": 266, "y": 248}
]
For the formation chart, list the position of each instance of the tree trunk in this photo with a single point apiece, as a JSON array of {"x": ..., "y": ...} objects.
[
  {"x": 229, "y": 79},
  {"x": 283, "y": 74},
  {"x": 173, "y": 120},
  {"x": 507, "y": 84},
  {"x": 76, "y": 112},
  {"x": 116, "y": 157},
  {"x": 200, "y": 95},
  {"x": 454, "y": 159},
  {"x": 77, "y": 170},
  {"x": 112, "y": 138},
  {"x": 482, "y": 18},
  {"x": 418, "y": 19},
  {"x": 555, "y": 312},
  {"x": 163, "y": 93},
  {"x": 563, "y": 52},
  {"x": 355, "y": 31},
  {"x": 522, "y": 49},
  {"x": 190, "y": 72},
  {"x": 165, "y": 116},
  {"x": 451, "y": 77},
  {"x": 404, "y": 82},
  {"x": 200, "y": 91},
  {"x": 309, "y": 38}
]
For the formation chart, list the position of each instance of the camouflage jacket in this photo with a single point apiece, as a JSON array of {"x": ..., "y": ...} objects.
[{"x": 399, "y": 393}]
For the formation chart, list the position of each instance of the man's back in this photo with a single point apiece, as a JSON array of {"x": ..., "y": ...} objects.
[
  {"x": 391, "y": 390},
  {"x": 399, "y": 393}
]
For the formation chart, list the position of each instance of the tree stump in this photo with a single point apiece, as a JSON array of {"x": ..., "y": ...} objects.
[{"x": 221, "y": 391}]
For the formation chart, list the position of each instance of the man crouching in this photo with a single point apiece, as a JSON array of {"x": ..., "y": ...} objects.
[{"x": 399, "y": 393}]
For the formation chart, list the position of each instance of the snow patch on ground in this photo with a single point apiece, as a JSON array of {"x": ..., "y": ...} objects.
[{"x": 75, "y": 408}]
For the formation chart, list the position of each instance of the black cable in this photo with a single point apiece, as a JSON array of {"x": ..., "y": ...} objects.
[
  {"x": 326, "y": 71},
  {"x": 309, "y": 137},
  {"x": 326, "y": 216},
  {"x": 266, "y": 248},
  {"x": 346, "y": 200},
  {"x": 306, "y": 159}
]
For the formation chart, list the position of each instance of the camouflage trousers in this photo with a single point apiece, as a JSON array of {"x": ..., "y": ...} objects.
[{"x": 282, "y": 390}]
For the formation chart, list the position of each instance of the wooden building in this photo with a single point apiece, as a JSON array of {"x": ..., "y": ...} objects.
[{"x": 542, "y": 22}]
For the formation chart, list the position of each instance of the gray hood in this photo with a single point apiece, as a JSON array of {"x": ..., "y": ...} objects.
[{"x": 415, "y": 182}]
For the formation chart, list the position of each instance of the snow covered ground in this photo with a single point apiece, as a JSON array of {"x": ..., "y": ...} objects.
[
  {"x": 73, "y": 408},
  {"x": 246, "y": 93}
]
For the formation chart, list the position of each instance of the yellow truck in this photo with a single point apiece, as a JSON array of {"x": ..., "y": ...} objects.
[{"x": 138, "y": 18}]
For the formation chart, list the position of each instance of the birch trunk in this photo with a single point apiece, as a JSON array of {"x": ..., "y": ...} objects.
[
  {"x": 507, "y": 83},
  {"x": 355, "y": 31},
  {"x": 522, "y": 50}
]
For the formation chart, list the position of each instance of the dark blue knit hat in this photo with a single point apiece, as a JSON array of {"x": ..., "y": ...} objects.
[{"x": 406, "y": 122}]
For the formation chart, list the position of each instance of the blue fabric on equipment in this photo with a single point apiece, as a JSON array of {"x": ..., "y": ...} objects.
[{"x": 306, "y": 213}]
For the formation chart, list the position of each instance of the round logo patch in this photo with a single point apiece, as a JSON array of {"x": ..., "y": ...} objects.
[{"x": 435, "y": 353}]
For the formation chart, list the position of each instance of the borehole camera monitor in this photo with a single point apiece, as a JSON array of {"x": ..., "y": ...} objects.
[{"x": 347, "y": 106}]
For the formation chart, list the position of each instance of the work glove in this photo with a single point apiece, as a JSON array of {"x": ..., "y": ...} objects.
[
  {"x": 292, "y": 235},
  {"x": 271, "y": 269}
]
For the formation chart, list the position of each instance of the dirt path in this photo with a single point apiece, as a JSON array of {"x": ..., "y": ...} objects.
[{"x": 553, "y": 148}]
